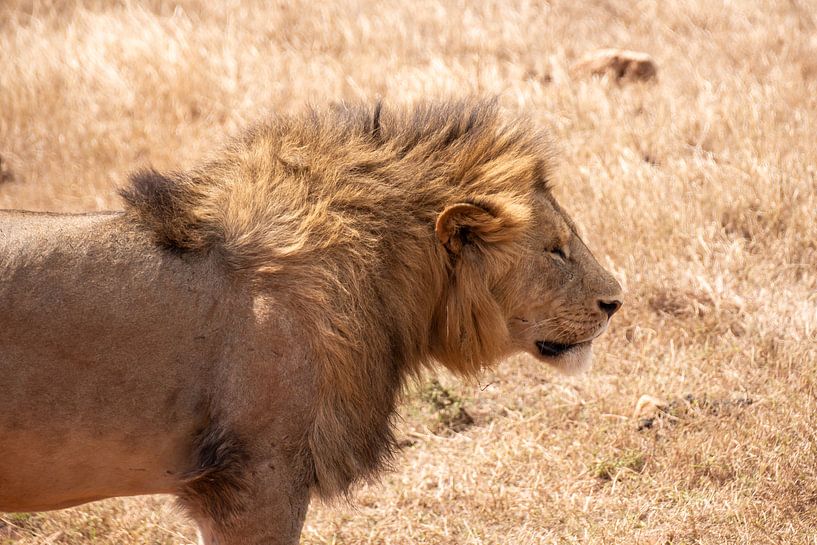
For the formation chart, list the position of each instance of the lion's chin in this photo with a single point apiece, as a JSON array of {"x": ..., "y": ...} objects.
[{"x": 569, "y": 360}]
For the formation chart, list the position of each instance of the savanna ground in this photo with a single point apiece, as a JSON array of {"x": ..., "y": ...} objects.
[{"x": 698, "y": 190}]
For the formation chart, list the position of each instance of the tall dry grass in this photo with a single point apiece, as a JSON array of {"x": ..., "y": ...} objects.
[{"x": 698, "y": 191}]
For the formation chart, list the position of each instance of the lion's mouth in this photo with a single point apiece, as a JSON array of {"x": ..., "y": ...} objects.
[{"x": 553, "y": 350}]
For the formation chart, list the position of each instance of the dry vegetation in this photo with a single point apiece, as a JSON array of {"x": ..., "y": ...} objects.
[{"x": 698, "y": 189}]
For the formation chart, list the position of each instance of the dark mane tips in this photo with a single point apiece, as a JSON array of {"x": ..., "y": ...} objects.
[
  {"x": 217, "y": 485},
  {"x": 375, "y": 129},
  {"x": 163, "y": 204}
]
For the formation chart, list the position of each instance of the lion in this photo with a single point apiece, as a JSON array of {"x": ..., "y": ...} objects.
[{"x": 239, "y": 336}]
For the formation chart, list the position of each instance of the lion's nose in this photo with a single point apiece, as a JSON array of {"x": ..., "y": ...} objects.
[{"x": 609, "y": 306}]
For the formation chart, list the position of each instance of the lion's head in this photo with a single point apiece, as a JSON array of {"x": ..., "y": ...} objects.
[{"x": 394, "y": 238}]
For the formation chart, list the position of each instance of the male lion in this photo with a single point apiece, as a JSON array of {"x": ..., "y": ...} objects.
[{"x": 240, "y": 334}]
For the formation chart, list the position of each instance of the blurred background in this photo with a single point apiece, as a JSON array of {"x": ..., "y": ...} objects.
[{"x": 687, "y": 159}]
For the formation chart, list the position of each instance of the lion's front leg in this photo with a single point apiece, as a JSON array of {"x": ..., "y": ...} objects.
[{"x": 268, "y": 509}]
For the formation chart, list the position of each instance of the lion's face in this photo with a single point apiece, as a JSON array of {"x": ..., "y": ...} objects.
[
  {"x": 525, "y": 281},
  {"x": 563, "y": 299}
]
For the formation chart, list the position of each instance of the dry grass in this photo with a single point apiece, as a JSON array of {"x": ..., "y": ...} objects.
[{"x": 699, "y": 190}]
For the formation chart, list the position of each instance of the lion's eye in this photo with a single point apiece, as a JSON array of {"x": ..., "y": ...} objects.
[{"x": 558, "y": 253}]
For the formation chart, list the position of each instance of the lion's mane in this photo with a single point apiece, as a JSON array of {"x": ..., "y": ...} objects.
[{"x": 333, "y": 212}]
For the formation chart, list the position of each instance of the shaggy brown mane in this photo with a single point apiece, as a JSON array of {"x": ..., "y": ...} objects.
[{"x": 333, "y": 212}]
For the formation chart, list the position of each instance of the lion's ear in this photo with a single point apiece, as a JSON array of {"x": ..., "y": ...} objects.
[{"x": 484, "y": 222}]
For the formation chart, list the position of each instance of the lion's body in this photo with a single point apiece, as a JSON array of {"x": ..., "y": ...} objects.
[
  {"x": 114, "y": 388},
  {"x": 240, "y": 335},
  {"x": 88, "y": 377}
]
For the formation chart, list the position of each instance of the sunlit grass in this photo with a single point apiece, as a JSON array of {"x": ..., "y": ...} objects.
[{"x": 698, "y": 190}]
